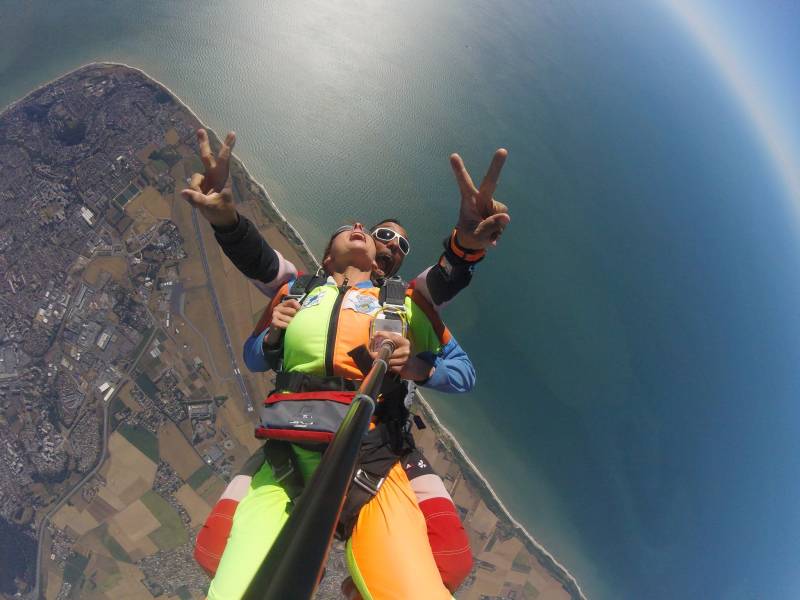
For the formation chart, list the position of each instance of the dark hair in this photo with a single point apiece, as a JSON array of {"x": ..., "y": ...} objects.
[{"x": 382, "y": 221}]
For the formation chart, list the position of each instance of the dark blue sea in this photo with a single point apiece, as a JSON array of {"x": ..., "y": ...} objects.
[{"x": 636, "y": 331}]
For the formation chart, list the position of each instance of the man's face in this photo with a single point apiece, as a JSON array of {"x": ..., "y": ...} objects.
[{"x": 389, "y": 256}]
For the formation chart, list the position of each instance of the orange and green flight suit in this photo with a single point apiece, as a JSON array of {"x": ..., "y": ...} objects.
[{"x": 388, "y": 555}]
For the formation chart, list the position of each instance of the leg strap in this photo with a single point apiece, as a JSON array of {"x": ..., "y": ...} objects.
[
  {"x": 281, "y": 460},
  {"x": 376, "y": 459}
]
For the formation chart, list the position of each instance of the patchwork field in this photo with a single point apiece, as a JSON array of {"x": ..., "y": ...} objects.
[
  {"x": 137, "y": 520},
  {"x": 143, "y": 218},
  {"x": 100, "y": 509},
  {"x": 128, "y": 586},
  {"x": 143, "y": 439},
  {"x": 136, "y": 549},
  {"x": 123, "y": 399},
  {"x": 116, "y": 266},
  {"x": 211, "y": 489},
  {"x": 200, "y": 476},
  {"x": 174, "y": 448},
  {"x": 171, "y": 532},
  {"x": 130, "y": 472},
  {"x": 194, "y": 504},
  {"x": 152, "y": 201},
  {"x": 54, "y": 581},
  {"x": 111, "y": 545},
  {"x": 148, "y": 206},
  {"x": 78, "y": 521},
  {"x": 171, "y": 137}
]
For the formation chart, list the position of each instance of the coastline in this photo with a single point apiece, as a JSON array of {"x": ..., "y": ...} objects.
[
  {"x": 267, "y": 203},
  {"x": 494, "y": 502},
  {"x": 488, "y": 493},
  {"x": 274, "y": 214}
]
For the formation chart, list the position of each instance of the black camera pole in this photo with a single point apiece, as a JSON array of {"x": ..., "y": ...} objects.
[{"x": 292, "y": 568}]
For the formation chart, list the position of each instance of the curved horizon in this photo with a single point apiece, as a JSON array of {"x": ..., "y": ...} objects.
[{"x": 748, "y": 92}]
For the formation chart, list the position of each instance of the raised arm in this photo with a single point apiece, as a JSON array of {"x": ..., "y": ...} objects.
[
  {"x": 240, "y": 240},
  {"x": 249, "y": 252},
  {"x": 481, "y": 221}
]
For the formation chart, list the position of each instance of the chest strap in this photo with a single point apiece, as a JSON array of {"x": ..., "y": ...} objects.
[
  {"x": 303, "y": 382},
  {"x": 393, "y": 293}
]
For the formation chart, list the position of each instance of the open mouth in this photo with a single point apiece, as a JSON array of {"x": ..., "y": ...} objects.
[
  {"x": 384, "y": 262},
  {"x": 358, "y": 235}
]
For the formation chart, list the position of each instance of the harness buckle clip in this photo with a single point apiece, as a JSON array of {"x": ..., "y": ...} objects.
[
  {"x": 281, "y": 472},
  {"x": 368, "y": 483},
  {"x": 398, "y": 309}
]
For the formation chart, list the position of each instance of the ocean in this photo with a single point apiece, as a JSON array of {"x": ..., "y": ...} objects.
[{"x": 636, "y": 331}]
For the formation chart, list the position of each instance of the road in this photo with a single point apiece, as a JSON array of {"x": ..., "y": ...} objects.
[
  {"x": 220, "y": 320},
  {"x": 103, "y": 455}
]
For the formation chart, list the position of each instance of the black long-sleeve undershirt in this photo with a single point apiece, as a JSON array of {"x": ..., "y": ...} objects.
[{"x": 250, "y": 253}]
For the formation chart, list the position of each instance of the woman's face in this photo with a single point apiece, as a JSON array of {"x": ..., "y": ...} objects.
[{"x": 352, "y": 247}]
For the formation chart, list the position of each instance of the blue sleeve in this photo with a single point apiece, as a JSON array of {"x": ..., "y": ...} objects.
[
  {"x": 254, "y": 353},
  {"x": 453, "y": 370}
]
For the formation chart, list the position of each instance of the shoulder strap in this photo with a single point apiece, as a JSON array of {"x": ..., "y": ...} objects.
[
  {"x": 303, "y": 285},
  {"x": 297, "y": 290},
  {"x": 300, "y": 286}
]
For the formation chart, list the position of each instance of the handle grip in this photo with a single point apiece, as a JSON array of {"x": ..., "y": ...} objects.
[{"x": 385, "y": 350}]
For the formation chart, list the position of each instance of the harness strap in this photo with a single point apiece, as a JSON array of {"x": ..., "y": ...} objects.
[
  {"x": 298, "y": 290},
  {"x": 382, "y": 447},
  {"x": 361, "y": 357},
  {"x": 280, "y": 457},
  {"x": 376, "y": 459},
  {"x": 393, "y": 293},
  {"x": 303, "y": 285},
  {"x": 303, "y": 382}
]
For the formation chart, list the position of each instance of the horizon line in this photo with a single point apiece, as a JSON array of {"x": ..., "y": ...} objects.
[{"x": 746, "y": 89}]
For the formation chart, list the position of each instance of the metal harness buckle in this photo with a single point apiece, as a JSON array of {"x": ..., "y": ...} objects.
[
  {"x": 368, "y": 482},
  {"x": 281, "y": 472},
  {"x": 398, "y": 309}
]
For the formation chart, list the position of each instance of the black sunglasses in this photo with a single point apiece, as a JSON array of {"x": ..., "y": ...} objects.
[{"x": 386, "y": 235}]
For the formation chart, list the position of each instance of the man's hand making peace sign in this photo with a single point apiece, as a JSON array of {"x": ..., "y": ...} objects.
[
  {"x": 210, "y": 191},
  {"x": 481, "y": 219}
]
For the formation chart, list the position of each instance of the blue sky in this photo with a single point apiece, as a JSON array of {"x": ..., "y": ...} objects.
[
  {"x": 765, "y": 34},
  {"x": 756, "y": 49},
  {"x": 765, "y": 38}
]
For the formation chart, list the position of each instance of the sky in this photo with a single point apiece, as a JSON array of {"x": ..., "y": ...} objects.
[{"x": 756, "y": 48}]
